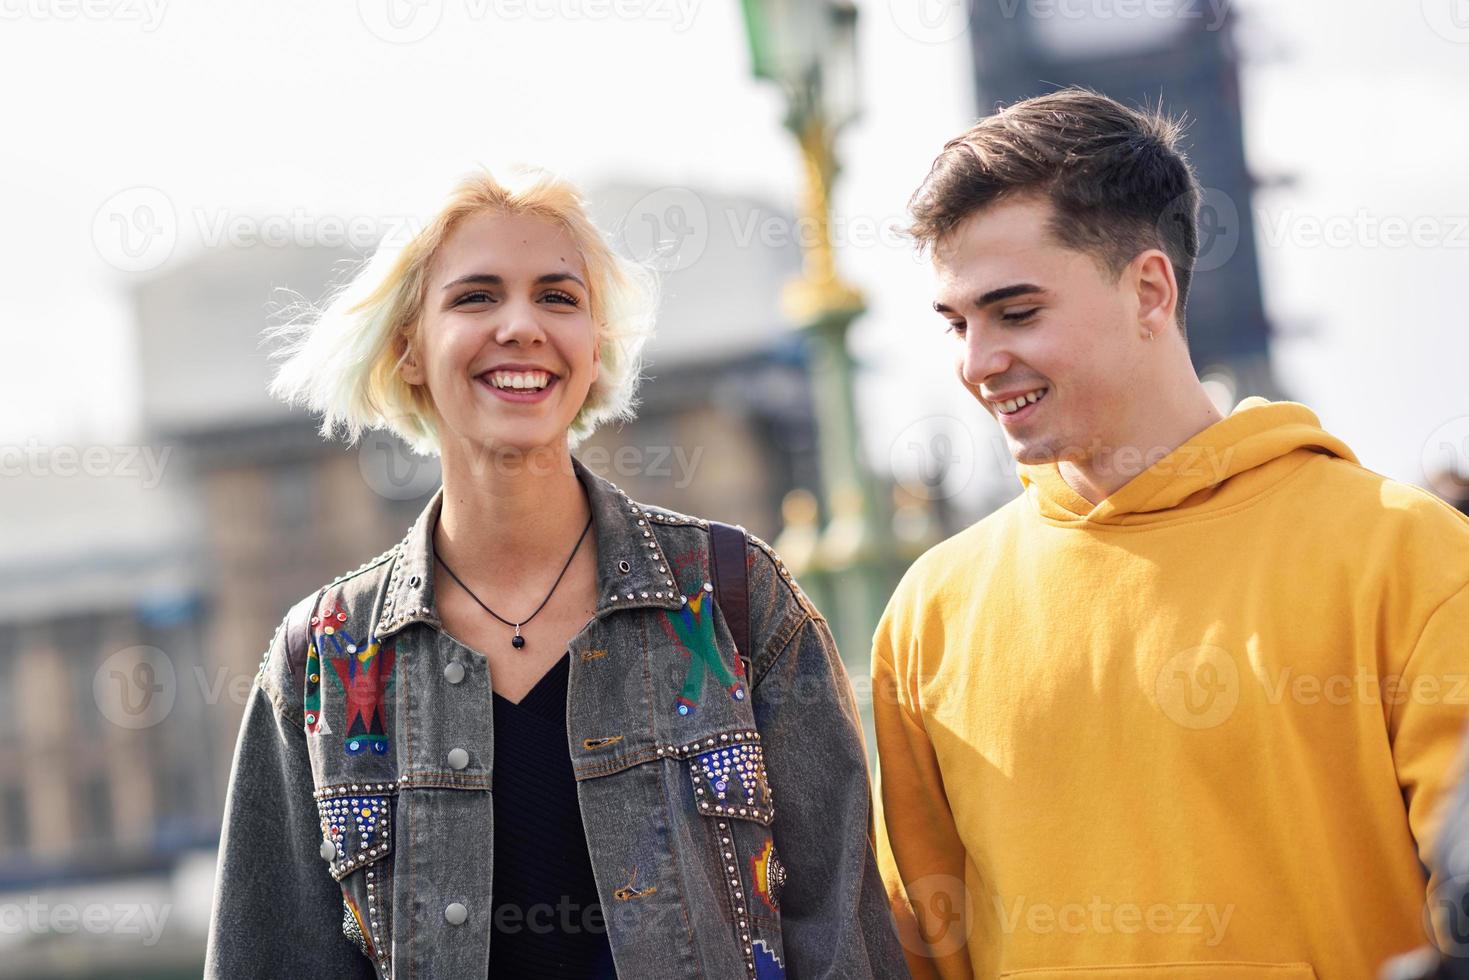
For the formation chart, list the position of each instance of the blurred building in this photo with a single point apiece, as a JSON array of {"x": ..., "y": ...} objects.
[
  {"x": 138, "y": 603},
  {"x": 1179, "y": 55}
]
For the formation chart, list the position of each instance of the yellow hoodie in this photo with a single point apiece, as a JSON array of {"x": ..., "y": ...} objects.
[{"x": 1198, "y": 730}]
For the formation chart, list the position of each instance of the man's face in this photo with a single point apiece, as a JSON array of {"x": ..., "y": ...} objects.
[{"x": 1046, "y": 341}]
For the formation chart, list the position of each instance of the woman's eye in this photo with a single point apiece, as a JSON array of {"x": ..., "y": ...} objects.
[
  {"x": 560, "y": 297},
  {"x": 480, "y": 297},
  {"x": 1021, "y": 316}
]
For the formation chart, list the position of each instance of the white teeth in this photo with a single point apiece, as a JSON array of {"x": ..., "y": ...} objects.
[
  {"x": 1012, "y": 405},
  {"x": 520, "y": 380}
]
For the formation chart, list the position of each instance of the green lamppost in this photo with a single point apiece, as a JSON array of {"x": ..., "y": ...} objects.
[{"x": 809, "y": 49}]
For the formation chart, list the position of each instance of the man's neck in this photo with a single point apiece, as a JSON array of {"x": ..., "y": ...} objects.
[{"x": 1161, "y": 430}]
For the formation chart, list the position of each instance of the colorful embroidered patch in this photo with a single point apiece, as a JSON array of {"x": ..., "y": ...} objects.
[
  {"x": 730, "y": 781},
  {"x": 767, "y": 965},
  {"x": 693, "y": 625},
  {"x": 769, "y": 875},
  {"x": 365, "y": 677},
  {"x": 314, "y": 722},
  {"x": 356, "y": 827}
]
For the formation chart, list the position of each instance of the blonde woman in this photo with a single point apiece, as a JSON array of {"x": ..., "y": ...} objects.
[{"x": 535, "y": 739}]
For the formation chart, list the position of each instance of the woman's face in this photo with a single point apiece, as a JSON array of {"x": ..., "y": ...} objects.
[{"x": 506, "y": 342}]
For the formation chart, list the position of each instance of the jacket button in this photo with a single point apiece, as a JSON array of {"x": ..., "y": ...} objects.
[
  {"x": 413, "y": 582},
  {"x": 458, "y": 759},
  {"x": 456, "y": 913},
  {"x": 328, "y": 850},
  {"x": 454, "y": 673}
]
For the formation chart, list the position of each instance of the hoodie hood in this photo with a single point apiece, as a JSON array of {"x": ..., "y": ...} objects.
[{"x": 1255, "y": 447}]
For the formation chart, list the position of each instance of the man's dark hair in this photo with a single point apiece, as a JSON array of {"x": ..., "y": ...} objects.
[{"x": 1115, "y": 176}]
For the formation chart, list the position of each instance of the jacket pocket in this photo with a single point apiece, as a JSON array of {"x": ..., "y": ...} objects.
[
  {"x": 357, "y": 844},
  {"x": 728, "y": 771},
  {"x": 1229, "y": 970},
  {"x": 732, "y": 794}
]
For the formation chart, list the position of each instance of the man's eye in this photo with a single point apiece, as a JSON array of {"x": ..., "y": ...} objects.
[
  {"x": 1021, "y": 316},
  {"x": 956, "y": 327}
]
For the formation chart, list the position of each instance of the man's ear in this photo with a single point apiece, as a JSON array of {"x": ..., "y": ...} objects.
[{"x": 1156, "y": 290}]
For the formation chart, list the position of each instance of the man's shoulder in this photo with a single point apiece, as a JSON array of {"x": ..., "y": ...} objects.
[
  {"x": 1396, "y": 507},
  {"x": 958, "y": 554}
]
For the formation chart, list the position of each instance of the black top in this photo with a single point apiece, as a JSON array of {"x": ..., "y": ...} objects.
[{"x": 547, "y": 922}]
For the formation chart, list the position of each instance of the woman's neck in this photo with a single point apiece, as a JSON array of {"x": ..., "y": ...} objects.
[{"x": 509, "y": 517}]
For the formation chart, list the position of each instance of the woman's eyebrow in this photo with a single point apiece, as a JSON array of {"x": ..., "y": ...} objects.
[{"x": 489, "y": 279}]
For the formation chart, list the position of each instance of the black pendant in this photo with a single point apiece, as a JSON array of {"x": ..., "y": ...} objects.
[{"x": 517, "y": 641}]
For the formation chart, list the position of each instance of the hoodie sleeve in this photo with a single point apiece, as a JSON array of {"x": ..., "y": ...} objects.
[
  {"x": 1426, "y": 725},
  {"x": 919, "y": 852},
  {"x": 276, "y": 909}
]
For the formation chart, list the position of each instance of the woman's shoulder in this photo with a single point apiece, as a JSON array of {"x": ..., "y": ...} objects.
[
  {"x": 339, "y": 611},
  {"x": 778, "y": 606}
]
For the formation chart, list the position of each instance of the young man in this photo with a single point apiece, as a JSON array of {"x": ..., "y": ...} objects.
[{"x": 1187, "y": 706}]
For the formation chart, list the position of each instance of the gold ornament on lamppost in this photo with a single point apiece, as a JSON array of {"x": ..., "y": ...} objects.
[{"x": 809, "y": 49}]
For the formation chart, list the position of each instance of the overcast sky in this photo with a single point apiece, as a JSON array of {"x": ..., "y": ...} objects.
[{"x": 226, "y": 112}]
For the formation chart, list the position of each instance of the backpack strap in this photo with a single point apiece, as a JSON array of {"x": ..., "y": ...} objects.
[{"x": 731, "y": 584}]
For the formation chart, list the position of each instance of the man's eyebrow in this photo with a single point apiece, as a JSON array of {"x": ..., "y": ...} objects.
[
  {"x": 488, "y": 279},
  {"x": 997, "y": 295}
]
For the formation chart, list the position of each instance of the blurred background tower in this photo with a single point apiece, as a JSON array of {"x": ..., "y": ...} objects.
[{"x": 1180, "y": 55}]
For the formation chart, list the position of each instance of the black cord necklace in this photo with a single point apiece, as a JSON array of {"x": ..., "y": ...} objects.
[{"x": 517, "y": 640}]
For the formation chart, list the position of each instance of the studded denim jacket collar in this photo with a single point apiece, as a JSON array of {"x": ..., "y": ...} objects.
[{"x": 632, "y": 570}]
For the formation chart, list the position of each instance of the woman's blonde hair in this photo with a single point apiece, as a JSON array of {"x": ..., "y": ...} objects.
[{"x": 342, "y": 360}]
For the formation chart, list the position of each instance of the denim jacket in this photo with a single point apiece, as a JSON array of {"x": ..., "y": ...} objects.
[{"x": 726, "y": 807}]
